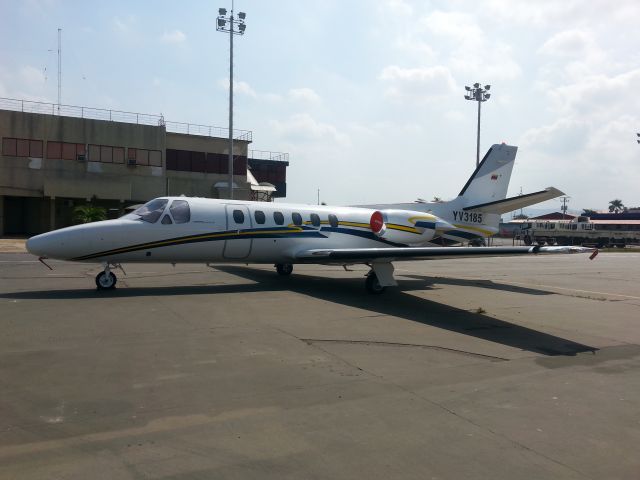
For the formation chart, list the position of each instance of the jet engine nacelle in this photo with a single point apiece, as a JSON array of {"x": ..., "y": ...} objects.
[{"x": 407, "y": 227}]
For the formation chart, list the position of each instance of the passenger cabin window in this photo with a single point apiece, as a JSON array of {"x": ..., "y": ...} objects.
[
  {"x": 333, "y": 220},
  {"x": 166, "y": 220},
  {"x": 150, "y": 212},
  {"x": 297, "y": 218},
  {"x": 180, "y": 211},
  {"x": 278, "y": 217},
  {"x": 238, "y": 216},
  {"x": 259, "y": 216},
  {"x": 315, "y": 220}
]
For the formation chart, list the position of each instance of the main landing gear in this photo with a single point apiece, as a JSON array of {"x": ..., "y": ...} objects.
[
  {"x": 106, "y": 280},
  {"x": 372, "y": 284},
  {"x": 284, "y": 269},
  {"x": 379, "y": 277}
]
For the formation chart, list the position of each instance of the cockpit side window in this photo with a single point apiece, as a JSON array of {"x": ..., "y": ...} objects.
[
  {"x": 180, "y": 211},
  {"x": 150, "y": 212},
  {"x": 166, "y": 220}
]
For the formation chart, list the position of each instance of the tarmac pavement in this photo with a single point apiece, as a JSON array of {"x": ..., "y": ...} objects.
[{"x": 520, "y": 367}]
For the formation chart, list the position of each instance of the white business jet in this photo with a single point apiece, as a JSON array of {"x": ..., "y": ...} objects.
[{"x": 203, "y": 230}]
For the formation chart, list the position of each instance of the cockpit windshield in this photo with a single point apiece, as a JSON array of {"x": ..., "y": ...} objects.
[{"x": 150, "y": 211}]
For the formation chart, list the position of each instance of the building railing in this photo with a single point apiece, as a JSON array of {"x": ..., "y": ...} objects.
[
  {"x": 90, "y": 113},
  {"x": 267, "y": 155}
]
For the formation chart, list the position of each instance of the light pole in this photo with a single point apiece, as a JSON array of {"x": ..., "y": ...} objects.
[
  {"x": 478, "y": 94},
  {"x": 226, "y": 24}
]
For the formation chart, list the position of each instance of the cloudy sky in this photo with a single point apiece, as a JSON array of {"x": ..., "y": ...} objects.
[{"x": 367, "y": 97}]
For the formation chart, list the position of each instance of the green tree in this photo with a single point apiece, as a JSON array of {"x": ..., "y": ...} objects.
[
  {"x": 616, "y": 206},
  {"x": 89, "y": 213},
  {"x": 520, "y": 216}
]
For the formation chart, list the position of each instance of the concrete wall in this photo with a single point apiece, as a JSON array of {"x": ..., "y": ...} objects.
[
  {"x": 75, "y": 179},
  {"x": 57, "y": 185}
]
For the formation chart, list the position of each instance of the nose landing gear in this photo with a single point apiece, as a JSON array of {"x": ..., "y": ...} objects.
[{"x": 106, "y": 280}]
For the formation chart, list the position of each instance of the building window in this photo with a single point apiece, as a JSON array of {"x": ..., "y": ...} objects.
[
  {"x": 106, "y": 154},
  {"x": 142, "y": 156},
  {"x": 94, "y": 153},
  {"x": 9, "y": 147},
  {"x": 20, "y": 147},
  {"x": 278, "y": 217},
  {"x": 260, "y": 216},
  {"x": 333, "y": 220},
  {"x": 54, "y": 150},
  {"x": 297, "y": 218},
  {"x": 315, "y": 220},
  {"x": 68, "y": 151},
  {"x": 118, "y": 154}
]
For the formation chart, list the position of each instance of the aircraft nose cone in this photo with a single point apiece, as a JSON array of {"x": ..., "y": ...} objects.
[{"x": 37, "y": 246}]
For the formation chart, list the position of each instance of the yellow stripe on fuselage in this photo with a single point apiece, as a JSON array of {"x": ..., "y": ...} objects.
[{"x": 402, "y": 228}]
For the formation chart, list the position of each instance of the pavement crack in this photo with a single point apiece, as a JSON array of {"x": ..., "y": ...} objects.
[{"x": 311, "y": 341}]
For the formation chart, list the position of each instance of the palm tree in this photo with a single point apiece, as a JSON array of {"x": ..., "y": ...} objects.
[
  {"x": 616, "y": 206},
  {"x": 89, "y": 213}
]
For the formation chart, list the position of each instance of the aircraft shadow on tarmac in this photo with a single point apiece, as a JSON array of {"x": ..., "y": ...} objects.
[
  {"x": 397, "y": 303},
  {"x": 350, "y": 292},
  {"x": 463, "y": 282}
]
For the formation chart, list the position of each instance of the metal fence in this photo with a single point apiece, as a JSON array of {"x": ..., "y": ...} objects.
[
  {"x": 90, "y": 113},
  {"x": 267, "y": 155}
]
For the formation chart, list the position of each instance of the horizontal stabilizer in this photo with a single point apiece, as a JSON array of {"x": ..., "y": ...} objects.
[{"x": 514, "y": 203}]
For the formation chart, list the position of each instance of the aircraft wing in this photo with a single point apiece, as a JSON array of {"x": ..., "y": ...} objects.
[
  {"x": 364, "y": 255},
  {"x": 515, "y": 203}
]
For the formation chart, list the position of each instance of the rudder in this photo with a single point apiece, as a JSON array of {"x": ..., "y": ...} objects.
[{"x": 490, "y": 180}]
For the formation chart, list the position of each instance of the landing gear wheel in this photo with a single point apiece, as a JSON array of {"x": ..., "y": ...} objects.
[
  {"x": 284, "y": 269},
  {"x": 106, "y": 281},
  {"x": 373, "y": 285}
]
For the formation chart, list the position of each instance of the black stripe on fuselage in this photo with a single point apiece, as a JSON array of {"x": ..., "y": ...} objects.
[{"x": 268, "y": 232}]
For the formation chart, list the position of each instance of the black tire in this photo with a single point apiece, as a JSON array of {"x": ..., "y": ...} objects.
[
  {"x": 104, "y": 282},
  {"x": 527, "y": 240},
  {"x": 373, "y": 285},
  {"x": 541, "y": 242},
  {"x": 284, "y": 269}
]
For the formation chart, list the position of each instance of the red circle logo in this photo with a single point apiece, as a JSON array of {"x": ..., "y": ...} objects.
[{"x": 377, "y": 222}]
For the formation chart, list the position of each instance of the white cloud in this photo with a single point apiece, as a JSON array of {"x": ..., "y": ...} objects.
[
  {"x": 124, "y": 24},
  {"x": 173, "y": 37},
  {"x": 303, "y": 127},
  {"x": 568, "y": 43},
  {"x": 240, "y": 87},
  {"x": 458, "y": 26},
  {"x": 423, "y": 83},
  {"x": 304, "y": 94}
]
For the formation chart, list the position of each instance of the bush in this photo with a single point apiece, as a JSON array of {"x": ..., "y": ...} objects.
[{"x": 88, "y": 214}]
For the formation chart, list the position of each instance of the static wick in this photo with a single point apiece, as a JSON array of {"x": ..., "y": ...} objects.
[
  {"x": 594, "y": 254},
  {"x": 41, "y": 260}
]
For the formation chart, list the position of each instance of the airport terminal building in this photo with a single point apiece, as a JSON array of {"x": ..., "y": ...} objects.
[{"x": 55, "y": 157}]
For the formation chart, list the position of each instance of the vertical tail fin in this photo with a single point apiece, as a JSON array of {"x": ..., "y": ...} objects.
[{"x": 490, "y": 180}]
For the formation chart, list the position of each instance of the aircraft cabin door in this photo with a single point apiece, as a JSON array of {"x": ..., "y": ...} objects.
[{"x": 238, "y": 220}]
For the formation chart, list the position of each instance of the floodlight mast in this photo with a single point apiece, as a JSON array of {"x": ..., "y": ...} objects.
[
  {"x": 478, "y": 94},
  {"x": 225, "y": 24}
]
